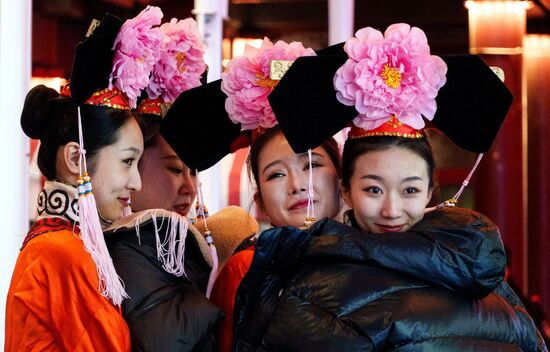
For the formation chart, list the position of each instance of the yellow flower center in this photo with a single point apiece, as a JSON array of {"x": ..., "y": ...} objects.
[
  {"x": 180, "y": 62},
  {"x": 265, "y": 82},
  {"x": 391, "y": 76}
]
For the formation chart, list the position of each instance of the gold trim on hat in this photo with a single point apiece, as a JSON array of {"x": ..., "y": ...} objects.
[{"x": 93, "y": 25}]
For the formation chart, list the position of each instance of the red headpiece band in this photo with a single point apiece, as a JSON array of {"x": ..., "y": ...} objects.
[
  {"x": 151, "y": 106},
  {"x": 112, "y": 98},
  {"x": 393, "y": 127}
]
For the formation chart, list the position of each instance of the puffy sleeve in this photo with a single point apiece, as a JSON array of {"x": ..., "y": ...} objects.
[
  {"x": 225, "y": 290},
  {"x": 54, "y": 295},
  {"x": 454, "y": 248},
  {"x": 164, "y": 312}
]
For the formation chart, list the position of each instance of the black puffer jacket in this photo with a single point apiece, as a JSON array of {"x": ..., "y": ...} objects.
[
  {"x": 164, "y": 312},
  {"x": 334, "y": 288}
]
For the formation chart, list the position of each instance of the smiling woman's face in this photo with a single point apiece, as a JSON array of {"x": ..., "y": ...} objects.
[
  {"x": 115, "y": 175},
  {"x": 283, "y": 183},
  {"x": 389, "y": 190}
]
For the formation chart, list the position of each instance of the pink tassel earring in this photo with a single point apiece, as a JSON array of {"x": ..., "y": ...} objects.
[{"x": 91, "y": 233}]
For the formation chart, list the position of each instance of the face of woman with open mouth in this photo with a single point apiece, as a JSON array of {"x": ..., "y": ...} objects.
[{"x": 283, "y": 183}]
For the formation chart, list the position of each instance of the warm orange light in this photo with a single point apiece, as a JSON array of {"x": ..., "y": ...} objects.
[
  {"x": 488, "y": 6},
  {"x": 496, "y": 27},
  {"x": 236, "y": 47},
  {"x": 52, "y": 82},
  {"x": 536, "y": 45},
  {"x": 239, "y": 45}
]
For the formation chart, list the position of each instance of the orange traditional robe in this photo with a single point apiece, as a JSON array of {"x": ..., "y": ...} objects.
[
  {"x": 53, "y": 301},
  {"x": 225, "y": 291}
]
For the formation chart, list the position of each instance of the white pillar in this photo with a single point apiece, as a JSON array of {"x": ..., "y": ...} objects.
[
  {"x": 15, "y": 71},
  {"x": 340, "y": 20},
  {"x": 209, "y": 16}
]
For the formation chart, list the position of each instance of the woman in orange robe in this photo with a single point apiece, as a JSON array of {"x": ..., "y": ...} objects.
[
  {"x": 65, "y": 294},
  {"x": 53, "y": 302}
]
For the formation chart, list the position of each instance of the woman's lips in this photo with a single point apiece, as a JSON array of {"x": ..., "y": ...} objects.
[
  {"x": 124, "y": 201},
  {"x": 390, "y": 228},
  {"x": 301, "y": 204},
  {"x": 182, "y": 209}
]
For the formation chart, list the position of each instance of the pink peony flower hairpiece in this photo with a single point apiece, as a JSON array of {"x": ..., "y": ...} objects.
[
  {"x": 247, "y": 84},
  {"x": 390, "y": 75},
  {"x": 181, "y": 62},
  {"x": 137, "y": 48}
]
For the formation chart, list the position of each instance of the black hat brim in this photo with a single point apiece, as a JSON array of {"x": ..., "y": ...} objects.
[
  {"x": 471, "y": 106},
  {"x": 93, "y": 60},
  {"x": 473, "y": 103},
  {"x": 198, "y": 128}
]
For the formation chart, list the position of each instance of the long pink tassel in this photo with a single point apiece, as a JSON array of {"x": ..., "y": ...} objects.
[
  {"x": 209, "y": 239},
  {"x": 91, "y": 233}
]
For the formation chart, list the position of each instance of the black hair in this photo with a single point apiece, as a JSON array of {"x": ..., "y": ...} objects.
[
  {"x": 150, "y": 125},
  {"x": 330, "y": 146},
  {"x": 354, "y": 148},
  {"x": 53, "y": 120}
]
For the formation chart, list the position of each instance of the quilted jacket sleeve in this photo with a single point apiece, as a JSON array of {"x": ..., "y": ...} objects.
[{"x": 454, "y": 248}]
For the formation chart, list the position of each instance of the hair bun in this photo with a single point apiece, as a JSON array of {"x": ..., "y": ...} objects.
[{"x": 36, "y": 112}]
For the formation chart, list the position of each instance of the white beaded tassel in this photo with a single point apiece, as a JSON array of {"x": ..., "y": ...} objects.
[
  {"x": 310, "y": 215},
  {"x": 208, "y": 237}
]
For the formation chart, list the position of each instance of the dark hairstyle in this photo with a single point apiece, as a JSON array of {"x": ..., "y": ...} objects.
[
  {"x": 150, "y": 125},
  {"x": 330, "y": 146},
  {"x": 354, "y": 148},
  {"x": 52, "y": 119}
]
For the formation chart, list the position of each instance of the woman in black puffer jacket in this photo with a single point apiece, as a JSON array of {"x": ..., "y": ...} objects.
[
  {"x": 335, "y": 288},
  {"x": 395, "y": 280},
  {"x": 398, "y": 279},
  {"x": 167, "y": 309}
]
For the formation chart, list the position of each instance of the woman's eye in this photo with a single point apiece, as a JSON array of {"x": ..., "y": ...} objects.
[
  {"x": 275, "y": 175},
  {"x": 373, "y": 189},
  {"x": 411, "y": 190},
  {"x": 175, "y": 170},
  {"x": 128, "y": 161},
  {"x": 314, "y": 164}
]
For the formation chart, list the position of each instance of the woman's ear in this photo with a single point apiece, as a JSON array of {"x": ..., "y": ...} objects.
[
  {"x": 71, "y": 158},
  {"x": 346, "y": 195},
  {"x": 258, "y": 199},
  {"x": 430, "y": 193}
]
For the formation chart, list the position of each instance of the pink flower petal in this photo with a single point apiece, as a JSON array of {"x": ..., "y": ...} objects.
[
  {"x": 390, "y": 74},
  {"x": 247, "y": 85}
]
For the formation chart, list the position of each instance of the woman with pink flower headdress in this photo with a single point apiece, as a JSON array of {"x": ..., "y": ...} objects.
[
  {"x": 233, "y": 113},
  {"x": 65, "y": 293},
  {"x": 165, "y": 262},
  {"x": 283, "y": 178},
  {"x": 167, "y": 182},
  {"x": 396, "y": 277}
]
